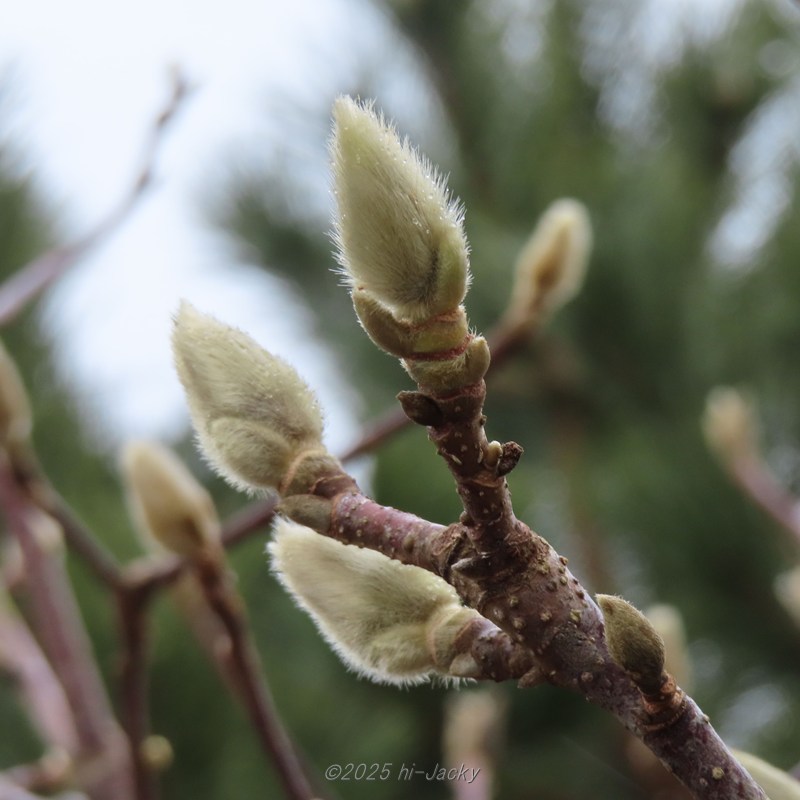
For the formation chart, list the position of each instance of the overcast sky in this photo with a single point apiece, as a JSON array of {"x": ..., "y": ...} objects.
[{"x": 86, "y": 79}]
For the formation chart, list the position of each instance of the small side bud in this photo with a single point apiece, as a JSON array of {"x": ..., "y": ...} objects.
[
  {"x": 16, "y": 421},
  {"x": 552, "y": 264},
  {"x": 633, "y": 642},
  {"x": 400, "y": 236},
  {"x": 391, "y": 622},
  {"x": 730, "y": 425},
  {"x": 777, "y": 784},
  {"x": 252, "y": 413},
  {"x": 168, "y": 505}
]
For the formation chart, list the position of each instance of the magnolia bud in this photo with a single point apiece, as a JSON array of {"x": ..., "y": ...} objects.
[
  {"x": 777, "y": 784},
  {"x": 253, "y": 414},
  {"x": 633, "y": 642},
  {"x": 552, "y": 265},
  {"x": 391, "y": 622},
  {"x": 730, "y": 425},
  {"x": 15, "y": 411},
  {"x": 399, "y": 234},
  {"x": 166, "y": 502}
]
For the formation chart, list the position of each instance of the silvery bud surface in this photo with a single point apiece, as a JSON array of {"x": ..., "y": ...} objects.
[
  {"x": 388, "y": 621},
  {"x": 252, "y": 412},
  {"x": 166, "y": 502},
  {"x": 400, "y": 235}
]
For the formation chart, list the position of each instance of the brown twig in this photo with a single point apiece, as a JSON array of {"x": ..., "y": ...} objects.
[
  {"x": 242, "y": 662},
  {"x": 31, "y": 279},
  {"x": 67, "y": 645},
  {"x": 132, "y": 606},
  {"x": 758, "y": 482},
  {"x": 21, "y": 657}
]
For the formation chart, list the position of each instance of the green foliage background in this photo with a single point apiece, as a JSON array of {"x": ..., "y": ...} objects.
[{"x": 606, "y": 403}]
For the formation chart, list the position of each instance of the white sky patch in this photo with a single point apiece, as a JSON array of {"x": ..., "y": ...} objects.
[{"x": 88, "y": 78}]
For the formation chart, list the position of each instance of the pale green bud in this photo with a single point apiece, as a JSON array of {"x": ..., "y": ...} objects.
[
  {"x": 730, "y": 424},
  {"x": 16, "y": 421},
  {"x": 391, "y": 622},
  {"x": 400, "y": 236},
  {"x": 633, "y": 642},
  {"x": 777, "y": 784},
  {"x": 551, "y": 266},
  {"x": 252, "y": 413},
  {"x": 166, "y": 502}
]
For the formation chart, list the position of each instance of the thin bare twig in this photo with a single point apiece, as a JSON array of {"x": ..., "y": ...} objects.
[
  {"x": 67, "y": 645},
  {"x": 31, "y": 279},
  {"x": 21, "y": 657},
  {"x": 242, "y": 662},
  {"x": 758, "y": 482}
]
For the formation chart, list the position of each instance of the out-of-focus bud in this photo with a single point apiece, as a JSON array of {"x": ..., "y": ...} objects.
[
  {"x": 15, "y": 410},
  {"x": 668, "y": 622},
  {"x": 391, "y": 622},
  {"x": 787, "y": 590},
  {"x": 157, "y": 752},
  {"x": 777, "y": 784},
  {"x": 633, "y": 642},
  {"x": 166, "y": 502},
  {"x": 730, "y": 424},
  {"x": 552, "y": 264},
  {"x": 253, "y": 415},
  {"x": 400, "y": 235}
]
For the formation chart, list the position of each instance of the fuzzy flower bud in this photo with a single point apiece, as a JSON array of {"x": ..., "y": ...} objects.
[
  {"x": 400, "y": 236},
  {"x": 253, "y": 414},
  {"x": 633, "y": 642},
  {"x": 391, "y": 622},
  {"x": 730, "y": 425},
  {"x": 166, "y": 502},
  {"x": 15, "y": 410},
  {"x": 552, "y": 264}
]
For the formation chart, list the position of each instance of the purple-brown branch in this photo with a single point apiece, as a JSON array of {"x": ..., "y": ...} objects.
[
  {"x": 67, "y": 646},
  {"x": 515, "y": 579}
]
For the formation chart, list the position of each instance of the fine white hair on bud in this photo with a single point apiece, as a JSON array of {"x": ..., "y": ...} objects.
[
  {"x": 166, "y": 502},
  {"x": 730, "y": 424},
  {"x": 400, "y": 235},
  {"x": 252, "y": 412},
  {"x": 15, "y": 410},
  {"x": 388, "y": 621},
  {"x": 551, "y": 266}
]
